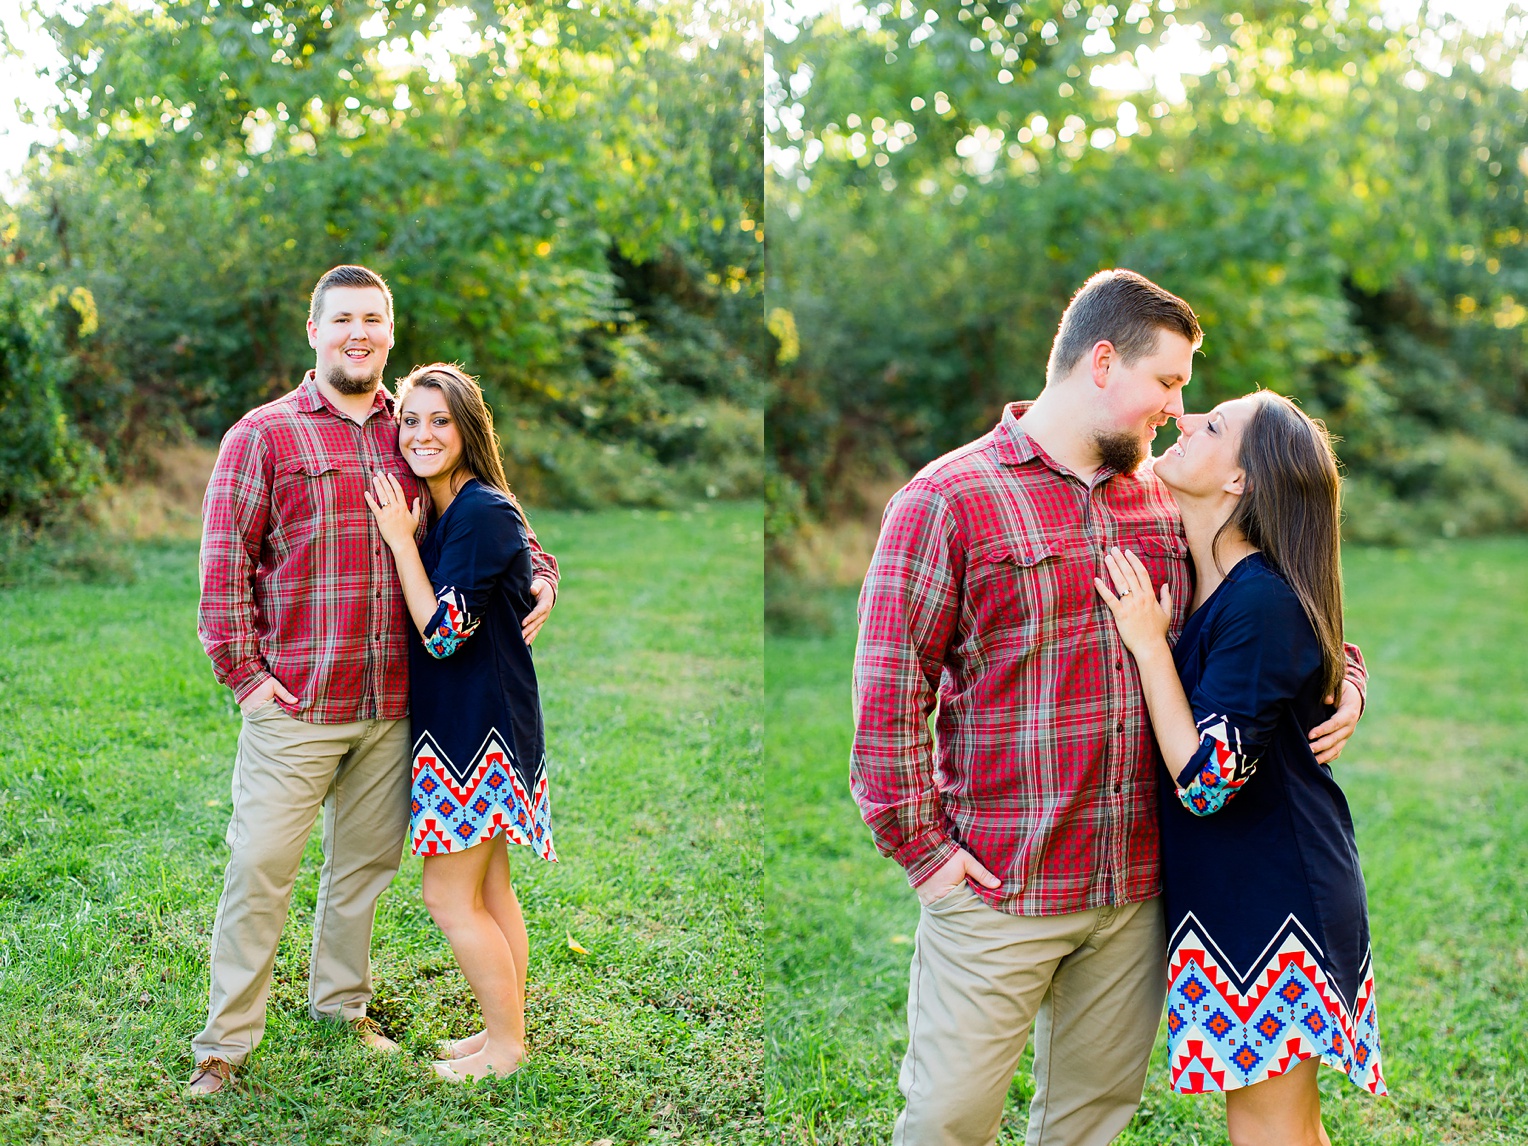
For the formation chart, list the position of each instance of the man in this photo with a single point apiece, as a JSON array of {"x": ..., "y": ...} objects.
[
  {"x": 1031, "y": 835},
  {"x": 304, "y": 620}
]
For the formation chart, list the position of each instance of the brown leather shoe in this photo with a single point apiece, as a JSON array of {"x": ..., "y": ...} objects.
[
  {"x": 371, "y": 1034},
  {"x": 211, "y": 1075}
]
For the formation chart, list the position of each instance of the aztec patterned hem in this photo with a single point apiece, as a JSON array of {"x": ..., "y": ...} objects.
[
  {"x": 1219, "y": 1038},
  {"x": 446, "y": 816}
]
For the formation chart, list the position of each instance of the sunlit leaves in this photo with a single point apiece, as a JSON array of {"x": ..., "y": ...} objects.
[
  {"x": 1343, "y": 199},
  {"x": 500, "y": 163}
]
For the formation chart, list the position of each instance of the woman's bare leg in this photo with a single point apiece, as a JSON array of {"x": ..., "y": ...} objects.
[
  {"x": 1283, "y": 1111},
  {"x": 453, "y": 893},
  {"x": 502, "y": 903}
]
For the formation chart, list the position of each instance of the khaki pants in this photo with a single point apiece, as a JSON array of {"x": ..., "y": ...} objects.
[
  {"x": 285, "y": 770},
  {"x": 1092, "y": 982}
]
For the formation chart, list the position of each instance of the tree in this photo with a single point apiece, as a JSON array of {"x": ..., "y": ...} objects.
[
  {"x": 517, "y": 174},
  {"x": 1346, "y": 218}
]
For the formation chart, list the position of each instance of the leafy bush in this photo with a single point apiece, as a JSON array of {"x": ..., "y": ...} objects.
[
  {"x": 47, "y": 467},
  {"x": 1449, "y": 486}
]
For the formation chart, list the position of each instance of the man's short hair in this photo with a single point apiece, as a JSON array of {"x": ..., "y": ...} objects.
[
  {"x": 1123, "y": 308},
  {"x": 347, "y": 276}
]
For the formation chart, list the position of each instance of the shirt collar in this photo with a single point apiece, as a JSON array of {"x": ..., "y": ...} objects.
[
  {"x": 1015, "y": 447},
  {"x": 310, "y": 399}
]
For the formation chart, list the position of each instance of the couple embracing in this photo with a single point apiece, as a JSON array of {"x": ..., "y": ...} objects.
[
  {"x": 363, "y": 560},
  {"x": 1140, "y": 678}
]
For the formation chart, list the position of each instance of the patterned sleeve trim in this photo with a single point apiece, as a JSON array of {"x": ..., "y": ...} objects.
[
  {"x": 1219, "y": 768},
  {"x": 451, "y": 624}
]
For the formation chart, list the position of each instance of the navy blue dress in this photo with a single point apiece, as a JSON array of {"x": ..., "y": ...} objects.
[
  {"x": 479, "y": 758},
  {"x": 1268, "y": 948}
]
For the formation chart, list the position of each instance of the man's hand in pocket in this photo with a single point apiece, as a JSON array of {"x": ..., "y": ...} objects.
[
  {"x": 268, "y": 688},
  {"x": 951, "y": 874}
]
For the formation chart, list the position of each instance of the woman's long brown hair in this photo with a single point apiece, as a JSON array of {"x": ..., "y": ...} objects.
[
  {"x": 481, "y": 457},
  {"x": 1291, "y": 510}
]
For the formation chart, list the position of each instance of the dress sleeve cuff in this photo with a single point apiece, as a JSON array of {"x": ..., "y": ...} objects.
[
  {"x": 450, "y": 626},
  {"x": 1217, "y": 770}
]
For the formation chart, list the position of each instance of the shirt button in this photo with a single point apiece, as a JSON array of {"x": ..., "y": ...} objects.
[
  {"x": 1120, "y": 727},
  {"x": 1118, "y": 788},
  {"x": 1120, "y": 665}
]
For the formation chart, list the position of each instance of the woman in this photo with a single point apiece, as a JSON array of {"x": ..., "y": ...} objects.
[
  {"x": 1268, "y": 958},
  {"x": 478, "y": 776}
]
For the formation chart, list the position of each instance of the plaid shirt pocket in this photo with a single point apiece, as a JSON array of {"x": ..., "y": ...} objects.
[
  {"x": 318, "y": 490},
  {"x": 1165, "y": 556},
  {"x": 1011, "y": 591},
  {"x": 293, "y": 487}
]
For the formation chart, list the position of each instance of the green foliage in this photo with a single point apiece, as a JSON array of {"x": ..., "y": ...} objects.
[
  {"x": 549, "y": 204},
  {"x": 1436, "y": 782},
  {"x": 45, "y": 463},
  {"x": 1343, "y": 202},
  {"x": 113, "y": 803}
]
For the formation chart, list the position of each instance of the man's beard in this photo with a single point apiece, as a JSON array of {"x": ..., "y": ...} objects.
[
  {"x": 1121, "y": 451},
  {"x": 345, "y": 384}
]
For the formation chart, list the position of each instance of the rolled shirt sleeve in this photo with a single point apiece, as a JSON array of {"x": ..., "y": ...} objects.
[
  {"x": 543, "y": 564},
  {"x": 908, "y": 609},
  {"x": 234, "y": 517},
  {"x": 1357, "y": 673}
]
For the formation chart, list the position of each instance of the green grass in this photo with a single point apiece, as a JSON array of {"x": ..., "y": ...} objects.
[
  {"x": 1437, "y": 777},
  {"x": 115, "y": 755}
]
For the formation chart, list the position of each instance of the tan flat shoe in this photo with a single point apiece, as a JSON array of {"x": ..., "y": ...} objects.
[
  {"x": 211, "y": 1075},
  {"x": 447, "y": 1048},
  {"x": 447, "y": 1073},
  {"x": 371, "y": 1034}
]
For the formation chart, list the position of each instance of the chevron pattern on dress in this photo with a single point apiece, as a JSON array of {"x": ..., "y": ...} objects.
[
  {"x": 450, "y": 811},
  {"x": 1227, "y": 1030}
]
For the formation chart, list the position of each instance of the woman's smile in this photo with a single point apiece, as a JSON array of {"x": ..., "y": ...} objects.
[{"x": 429, "y": 439}]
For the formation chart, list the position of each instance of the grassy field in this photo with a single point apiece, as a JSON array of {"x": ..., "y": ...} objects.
[
  {"x": 115, "y": 755},
  {"x": 1438, "y": 781}
]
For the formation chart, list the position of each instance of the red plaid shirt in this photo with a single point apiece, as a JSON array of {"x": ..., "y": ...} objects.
[
  {"x": 297, "y": 582},
  {"x": 980, "y": 599}
]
